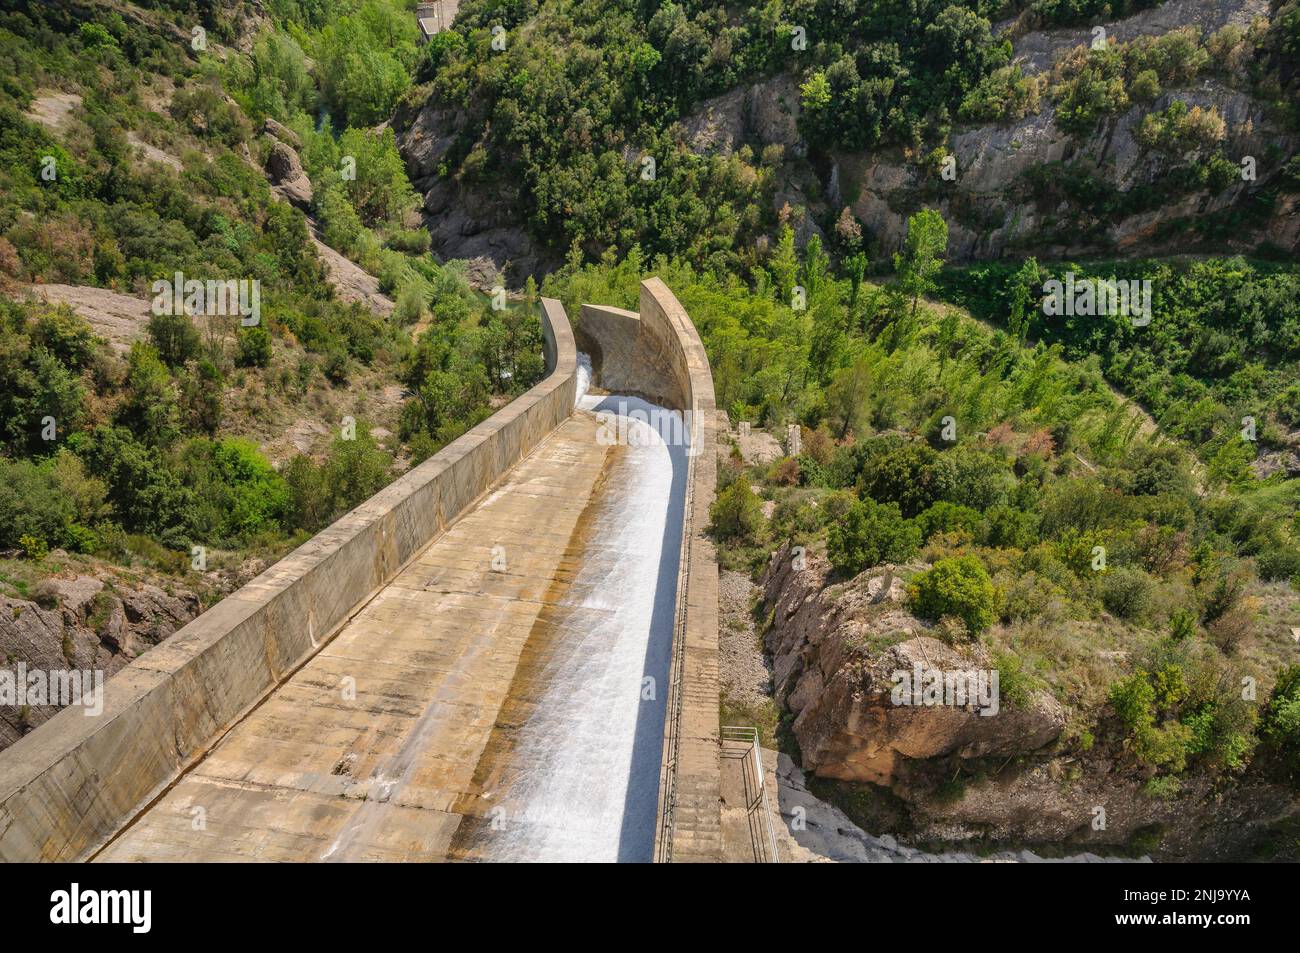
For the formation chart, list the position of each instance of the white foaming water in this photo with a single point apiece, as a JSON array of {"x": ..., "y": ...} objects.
[
  {"x": 582, "y": 780},
  {"x": 583, "y": 378}
]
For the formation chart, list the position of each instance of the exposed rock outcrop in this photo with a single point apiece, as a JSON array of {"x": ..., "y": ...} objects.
[
  {"x": 1035, "y": 51},
  {"x": 463, "y": 221},
  {"x": 761, "y": 114},
  {"x": 82, "y": 623},
  {"x": 279, "y": 131},
  {"x": 825, "y": 834},
  {"x": 991, "y": 208},
  {"x": 994, "y": 207},
  {"x": 287, "y": 176},
  {"x": 834, "y": 648},
  {"x": 117, "y": 318},
  {"x": 835, "y": 651},
  {"x": 350, "y": 280}
]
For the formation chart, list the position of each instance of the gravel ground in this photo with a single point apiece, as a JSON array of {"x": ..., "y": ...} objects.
[{"x": 746, "y": 676}]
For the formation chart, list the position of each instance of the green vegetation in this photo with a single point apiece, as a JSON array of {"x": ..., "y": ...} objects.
[
  {"x": 1280, "y": 724},
  {"x": 1121, "y": 564},
  {"x": 958, "y": 586},
  {"x": 871, "y": 533},
  {"x": 116, "y": 454},
  {"x": 1223, "y": 343},
  {"x": 1053, "y": 520},
  {"x": 736, "y": 513}
]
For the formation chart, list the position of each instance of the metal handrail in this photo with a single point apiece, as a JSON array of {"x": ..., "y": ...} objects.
[{"x": 749, "y": 734}]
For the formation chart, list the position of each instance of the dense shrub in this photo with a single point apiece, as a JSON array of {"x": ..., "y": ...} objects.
[
  {"x": 959, "y": 586},
  {"x": 1126, "y": 592},
  {"x": 736, "y": 514},
  {"x": 175, "y": 337},
  {"x": 1280, "y": 722},
  {"x": 254, "y": 347},
  {"x": 905, "y": 476},
  {"x": 54, "y": 501},
  {"x": 235, "y": 493},
  {"x": 945, "y": 517},
  {"x": 871, "y": 533}
]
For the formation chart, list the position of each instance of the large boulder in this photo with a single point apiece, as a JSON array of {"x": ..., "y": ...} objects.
[
  {"x": 281, "y": 132},
  {"x": 837, "y": 654},
  {"x": 287, "y": 175}
]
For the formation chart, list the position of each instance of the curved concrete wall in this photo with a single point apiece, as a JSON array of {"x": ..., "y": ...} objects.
[
  {"x": 71, "y": 785},
  {"x": 690, "y": 784},
  {"x": 631, "y": 356}
]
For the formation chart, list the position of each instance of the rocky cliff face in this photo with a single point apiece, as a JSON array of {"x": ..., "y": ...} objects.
[
  {"x": 1023, "y": 187},
  {"x": 1036, "y": 50},
  {"x": 464, "y": 222},
  {"x": 82, "y": 623},
  {"x": 835, "y": 648},
  {"x": 835, "y": 651},
  {"x": 993, "y": 205}
]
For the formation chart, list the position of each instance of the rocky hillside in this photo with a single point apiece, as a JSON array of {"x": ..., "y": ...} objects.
[
  {"x": 1031, "y": 183},
  {"x": 1080, "y": 145},
  {"x": 949, "y": 776},
  {"x": 85, "y": 619},
  {"x": 847, "y": 726}
]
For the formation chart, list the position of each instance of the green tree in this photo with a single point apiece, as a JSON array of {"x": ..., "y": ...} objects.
[
  {"x": 150, "y": 409},
  {"x": 784, "y": 264},
  {"x": 922, "y": 255},
  {"x": 380, "y": 191},
  {"x": 146, "y": 495},
  {"x": 856, "y": 268},
  {"x": 737, "y": 513},
  {"x": 254, "y": 347},
  {"x": 905, "y": 475},
  {"x": 201, "y": 394},
  {"x": 1025, "y": 291},
  {"x": 363, "y": 60},
  {"x": 175, "y": 337},
  {"x": 958, "y": 586},
  {"x": 871, "y": 533},
  {"x": 357, "y": 469},
  {"x": 1280, "y": 722},
  {"x": 848, "y": 398}
]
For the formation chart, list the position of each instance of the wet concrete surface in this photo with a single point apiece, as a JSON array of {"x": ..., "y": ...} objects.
[{"x": 501, "y": 699}]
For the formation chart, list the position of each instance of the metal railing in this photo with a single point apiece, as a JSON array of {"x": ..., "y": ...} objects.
[{"x": 757, "y": 803}]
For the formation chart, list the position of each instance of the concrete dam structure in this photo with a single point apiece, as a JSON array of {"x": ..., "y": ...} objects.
[{"x": 509, "y": 653}]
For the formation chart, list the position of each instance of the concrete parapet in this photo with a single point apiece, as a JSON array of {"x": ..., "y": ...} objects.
[
  {"x": 633, "y": 355},
  {"x": 690, "y": 787},
  {"x": 69, "y": 787}
]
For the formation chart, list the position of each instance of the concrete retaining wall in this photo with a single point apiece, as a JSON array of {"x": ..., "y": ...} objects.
[
  {"x": 690, "y": 786},
  {"x": 71, "y": 785},
  {"x": 657, "y": 354},
  {"x": 633, "y": 357}
]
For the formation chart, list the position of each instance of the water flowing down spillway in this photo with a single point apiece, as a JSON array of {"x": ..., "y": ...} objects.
[
  {"x": 582, "y": 380},
  {"x": 501, "y": 698},
  {"x": 581, "y": 779}
]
